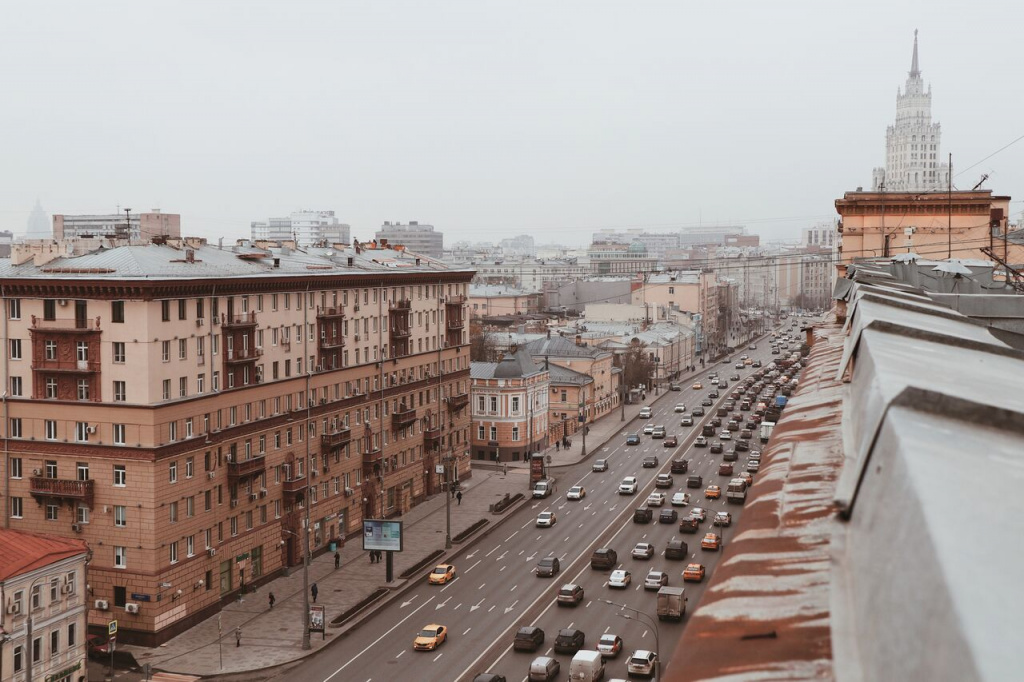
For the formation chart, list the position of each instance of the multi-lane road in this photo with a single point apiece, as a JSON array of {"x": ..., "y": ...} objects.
[{"x": 497, "y": 590}]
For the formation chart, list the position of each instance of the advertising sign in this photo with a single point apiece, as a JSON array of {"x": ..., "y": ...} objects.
[
  {"x": 382, "y": 535},
  {"x": 317, "y": 618},
  {"x": 536, "y": 467}
]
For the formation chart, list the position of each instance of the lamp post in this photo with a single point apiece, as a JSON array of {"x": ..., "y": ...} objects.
[
  {"x": 650, "y": 624},
  {"x": 305, "y": 584},
  {"x": 448, "y": 500}
]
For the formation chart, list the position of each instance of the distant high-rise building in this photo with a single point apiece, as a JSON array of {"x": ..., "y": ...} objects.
[
  {"x": 134, "y": 227},
  {"x": 304, "y": 227},
  {"x": 38, "y": 226},
  {"x": 414, "y": 236},
  {"x": 823, "y": 236},
  {"x": 6, "y": 239},
  {"x": 913, "y": 162}
]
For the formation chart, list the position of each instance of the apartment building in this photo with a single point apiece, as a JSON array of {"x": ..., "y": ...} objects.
[
  {"x": 44, "y": 596},
  {"x": 195, "y": 413},
  {"x": 509, "y": 407},
  {"x": 134, "y": 227}
]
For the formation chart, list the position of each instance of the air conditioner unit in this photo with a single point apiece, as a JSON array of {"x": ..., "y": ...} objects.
[
  {"x": 77, "y": 527},
  {"x": 314, "y": 473},
  {"x": 252, "y": 497},
  {"x": 215, "y": 320},
  {"x": 14, "y": 608},
  {"x": 210, "y": 474},
  {"x": 131, "y": 608},
  {"x": 199, "y": 322},
  {"x": 211, "y": 552},
  {"x": 323, "y": 401},
  {"x": 66, "y": 588},
  {"x": 62, "y": 301},
  {"x": 263, "y": 492},
  {"x": 349, "y": 492},
  {"x": 234, "y": 503},
  {"x": 90, "y": 429},
  {"x": 101, "y": 604}
]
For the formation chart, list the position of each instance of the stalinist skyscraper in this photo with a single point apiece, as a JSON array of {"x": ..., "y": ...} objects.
[{"x": 913, "y": 162}]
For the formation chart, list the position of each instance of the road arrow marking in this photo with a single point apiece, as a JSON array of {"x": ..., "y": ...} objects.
[
  {"x": 532, "y": 557},
  {"x": 439, "y": 605},
  {"x": 501, "y": 556},
  {"x": 470, "y": 556},
  {"x": 406, "y": 603},
  {"x": 511, "y": 608},
  {"x": 586, "y": 508},
  {"x": 475, "y": 606}
]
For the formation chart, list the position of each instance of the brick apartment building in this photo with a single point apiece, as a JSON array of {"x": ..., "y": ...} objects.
[{"x": 182, "y": 407}]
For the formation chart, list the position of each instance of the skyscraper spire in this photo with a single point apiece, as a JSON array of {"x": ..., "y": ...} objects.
[{"x": 915, "y": 72}]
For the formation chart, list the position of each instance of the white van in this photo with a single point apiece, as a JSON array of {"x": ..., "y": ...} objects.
[
  {"x": 587, "y": 666},
  {"x": 544, "y": 487}
]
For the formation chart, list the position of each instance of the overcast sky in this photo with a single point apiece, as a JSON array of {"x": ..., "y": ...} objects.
[{"x": 490, "y": 119}]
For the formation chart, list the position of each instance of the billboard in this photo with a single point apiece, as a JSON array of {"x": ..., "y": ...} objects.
[
  {"x": 382, "y": 535},
  {"x": 317, "y": 618}
]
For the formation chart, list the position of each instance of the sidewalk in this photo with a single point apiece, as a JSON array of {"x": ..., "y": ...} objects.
[{"x": 274, "y": 637}]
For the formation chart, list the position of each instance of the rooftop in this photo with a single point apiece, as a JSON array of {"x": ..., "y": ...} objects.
[{"x": 24, "y": 552}]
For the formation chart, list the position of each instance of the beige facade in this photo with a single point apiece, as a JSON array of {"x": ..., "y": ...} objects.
[
  {"x": 184, "y": 426},
  {"x": 509, "y": 409},
  {"x": 693, "y": 291},
  {"x": 485, "y": 302}
]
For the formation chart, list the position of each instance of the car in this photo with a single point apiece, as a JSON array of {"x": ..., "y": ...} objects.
[
  {"x": 603, "y": 558},
  {"x": 752, "y": 347},
  {"x": 775, "y": 351},
  {"x": 688, "y": 525},
  {"x": 699, "y": 514},
  {"x": 671, "y": 442},
  {"x": 680, "y": 466},
  {"x": 734, "y": 377},
  {"x": 714, "y": 379},
  {"x": 739, "y": 365},
  {"x": 664, "y": 481},
  {"x": 650, "y": 462},
  {"x": 430, "y": 637},
  {"x": 700, "y": 442},
  {"x": 569, "y": 594},
  {"x": 609, "y": 646},
  {"x": 733, "y": 425},
  {"x": 675, "y": 387},
  {"x": 753, "y": 465},
  {"x": 633, "y": 439},
  {"x": 747, "y": 477},
  {"x": 600, "y": 465},
  {"x": 693, "y": 573},
  {"x": 707, "y": 402},
  {"x": 544, "y": 669},
  {"x": 730, "y": 454},
  {"x": 577, "y": 492},
  {"x": 528, "y": 638},
  {"x": 620, "y": 579},
  {"x": 643, "y": 515},
  {"x": 548, "y": 567},
  {"x": 680, "y": 499},
  {"x": 668, "y": 516},
  {"x": 655, "y": 580},
  {"x": 713, "y": 492},
  {"x": 680, "y": 407},
  {"x": 659, "y": 432},
  {"x": 723, "y": 519},
  {"x": 712, "y": 541},
  {"x": 714, "y": 394},
  {"x": 546, "y": 519},
  {"x": 725, "y": 435},
  {"x": 645, "y": 412},
  {"x": 694, "y": 481},
  {"x": 707, "y": 430},
  {"x": 757, "y": 363},
  {"x": 97, "y": 646},
  {"x": 687, "y": 420},
  {"x": 643, "y": 550},
  {"x": 642, "y": 663},
  {"x": 697, "y": 386},
  {"x": 441, "y": 574},
  {"x": 676, "y": 549},
  {"x": 655, "y": 499},
  {"x": 648, "y": 429},
  {"x": 723, "y": 384},
  {"x": 569, "y": 641},
  {"x": 742, "y": 446},
  {"x": 746, "y": 434},
  {"x": 755, "y": 454},
  {"x": 715, "y": 421},
  {"x": 744, "y": 356},
  {"x": 725, "y": 469},
  {"x": 697, "y": 412},
  {"x": 628, "y": 486},
  {"x": 716, "y": 447}
]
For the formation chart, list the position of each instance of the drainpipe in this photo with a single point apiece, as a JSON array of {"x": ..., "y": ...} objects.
[
  {"x": 7, "y": 421},
  {"x": 309, "y": 475}
]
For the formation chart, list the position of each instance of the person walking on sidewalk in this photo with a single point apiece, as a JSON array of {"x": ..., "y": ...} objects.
[
  {"x": 372, "y": 556},
  {"x": 270, "y": 598},
  {"x": 458, "y": 496},
  {"x": 314, "y": 591},
  {"x": 238, "y": 636},
  {"x": 337, "y": 560}
]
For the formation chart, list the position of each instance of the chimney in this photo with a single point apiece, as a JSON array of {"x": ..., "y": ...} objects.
[
  {"x": 513, "y": 348},
  {"x": 579, "y": 340},
  {"x": 190, "y": 256},
  {"x": 549, "y": 332}
]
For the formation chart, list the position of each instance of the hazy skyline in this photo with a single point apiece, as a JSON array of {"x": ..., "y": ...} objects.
[{"x": 486, "y": 119}]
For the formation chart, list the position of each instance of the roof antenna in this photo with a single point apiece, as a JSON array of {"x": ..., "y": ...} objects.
[{"x": 981, "y": 182}]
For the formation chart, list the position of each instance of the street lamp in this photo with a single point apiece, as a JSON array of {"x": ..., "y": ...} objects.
[
  {"x": 305, "y": 581},
  {"x": 650, "y": 625}
]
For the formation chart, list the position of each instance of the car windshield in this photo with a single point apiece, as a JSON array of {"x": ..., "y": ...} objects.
[
  {"x": 575, "y": 489},
  {"x": 440, "y": 570},
  {"x": 427, "y": 632},
  {"x": 607, "y": 639}
]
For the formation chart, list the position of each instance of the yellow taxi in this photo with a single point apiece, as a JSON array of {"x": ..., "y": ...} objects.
[
  {"x": 711, "y": 541},
  {"x": 697, "y": 386},
  {"x": 441, "y": 574},
  {"x": 694, "y": 573},
  {"x": 430, "y": 637},
  {"x": 712, "y": 492}
]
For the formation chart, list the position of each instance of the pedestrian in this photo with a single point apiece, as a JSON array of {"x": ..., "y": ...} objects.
[
  {"x": 314, "y": 591},
  {"x": 337, "y": 560},
  {"x": 504, "y": 469},
  {"x": 238, "y": 636},
  {"x": 372, "y": 554},
  {"x": 459, "y": 497},
  {"x": 270, "y": 598},
  {"x": 557, "y": 445},
  {"x": 453, "y": 491},
  {"x": 380, "y": 556}
]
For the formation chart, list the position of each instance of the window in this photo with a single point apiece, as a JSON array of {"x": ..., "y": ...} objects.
[
  {"x": 165, "y": 311},
  {"x": 82, "y": 432},
  {"x": 120, "y": 516},
  {"x": 173, "y": 553},
  {"x": 54, "y": 642},
  {"x": 82, "y": 514},
  {"x": 165, "y": 351},
  {"x": 172, "y": 512},
  {"x": 515, "y": 433},
  {"x": 172, "y": 471},
  {"x": 190, "y": 506},
  {"x": 494, "y": 433},
  {"x": 120, "y": 557},
  {"x": 52, "y": 511},
  {"x": 481, "y": 433},
  {"x": 234, "y": 525},
  {"x": 120, "y": 391},
  {"x": 49, "y": 309},
  {"x": 166, "y": 389},
  {"x": 15, "y": 353},
  {"x": 117, "y": 311},
  {"x": 14, "y": 308},
  {"x": 494, "y": 403},
  {"x": 50, "y": 429},
  {"x": 19, "y": 658},
  {"x": 119, "y": 435},
  {"x": 190, "y": 545},
  {"x": 82, "y": 471},
  {"x": 16, "y": 467},
  {"x": 17, "y": 507},
  {"x": 15, "y": 427},
  {"x": 37, "y": 650},
  {"x": 190, "y": 463},
  {"x": 183, "y": 387},
  {"x": 83, "y": 389},
  {"x": 54, "y": 590},
  {"x": 82, "y": 351},
  {"x": 182, "y": 314},
  {"x": 50, "y": 350},
  {"x": 515, "y": 404},
  {"x": 16, "y": 387},
  {"x": 37, "y": 597},
  {"x": 182, "y": 349},
  {"x": 200, "y": 383},
  {"x": 119, "y": 352},
  {"x": 72, "y": 631},
  {"x": 120, "y": 475}
]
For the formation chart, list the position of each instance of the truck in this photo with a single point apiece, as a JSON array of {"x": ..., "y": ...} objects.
[
  {"x": 736, "y": 493},
  {"x": 671, "y": 603},
  {"x": 780, "y": 401},
  {"x": 766, "y": 431},
  {"x": 587, "y": 666}
]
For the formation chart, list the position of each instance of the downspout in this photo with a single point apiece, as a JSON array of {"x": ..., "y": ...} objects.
[
  {"x": 7, "y": 421},
  {"x": 381, "y": 402}
]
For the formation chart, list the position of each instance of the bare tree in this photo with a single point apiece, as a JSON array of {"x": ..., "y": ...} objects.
[
  {"x": 637, "y": 365},
  {"x": 481, "y": 346}
]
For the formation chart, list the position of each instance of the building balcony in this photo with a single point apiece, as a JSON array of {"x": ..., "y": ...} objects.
[
  {"x": 456, "y": 300},
  {"x": 457, "y": 402},
  {"x": 233, "y": 357},
  {"x": 246, "y": 467},
  {"x": 64, "y": 488},
  {"x": 338, "y": 439},
  {"x": 72, "y": 324},
  {"x": 330, "y": 313},
  {"x": 401, "y": 304},
  {"x": 400, "y": 332},
  {"x": 67, "y": 366},
  {"x": 402, "y": 419},
  {"x": 432, "y": 438},
  {"x": 238, "y": 321},
  {"x": 332, "y": 342},
  {"x": 294, "y": 485},
  {"x": 456, "y": 324}
]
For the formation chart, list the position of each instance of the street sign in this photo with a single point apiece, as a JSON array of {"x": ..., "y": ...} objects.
[
  {"x": 438, "y": 468},
  {"x": 112, "y": 644},
  {"x": 112, "y": 628}
]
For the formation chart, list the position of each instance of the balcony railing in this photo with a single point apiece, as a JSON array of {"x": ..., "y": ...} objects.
[
  {"x": 73, "y": 324},
  {"x": 401, "y": 304},
  {"x": 457, "y": 402},
  {"x": 329, "y": 342},
  {"x": 330, "y": 312},
  {"x": 400, "y": 332},
  {"x": 338, "y": 439},
  {"x": 432, "y": 438},
  {"x": 247, "y": 467},
  {"x": 244, "y": 320},
  {"x": 455, "y": 324},
  {"x": 66, "y": 488},
  {"x": 72, "y": 366},
  {"x": 458, "y": 299},
  {"x": 294, "y": 485},
  {"x": 243, "y": 355},
  {"x": 403, "y": 418}
]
